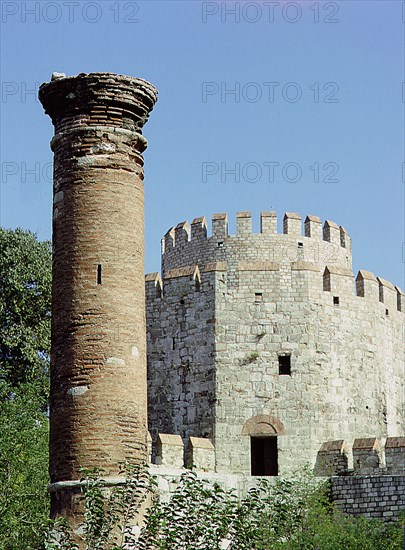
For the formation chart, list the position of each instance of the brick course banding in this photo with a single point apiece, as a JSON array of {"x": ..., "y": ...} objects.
[{"x": 98, "y": 358}]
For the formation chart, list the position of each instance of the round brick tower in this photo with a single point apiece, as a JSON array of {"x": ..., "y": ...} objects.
[{"x": 98, "y": 404}]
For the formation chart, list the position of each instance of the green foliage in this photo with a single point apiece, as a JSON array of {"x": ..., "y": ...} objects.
[
  {"x": 297, "y": 515},
  {"x": 108, "y": 513},
  {"x": 25, "y": 308},
  {"x": 24, "y": 507},
  {"x": 197, "y": 516},
  {"x": 333, "y": 531},
  {"x": 275, "y": 514}
]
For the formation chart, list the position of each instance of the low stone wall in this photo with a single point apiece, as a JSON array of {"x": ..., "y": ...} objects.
[
  {"x": 374, "y": 487},
  {"x": 371, "y": 496},
  {"x": 380, "y": 497},
  {"x": 168, "y": 479}
]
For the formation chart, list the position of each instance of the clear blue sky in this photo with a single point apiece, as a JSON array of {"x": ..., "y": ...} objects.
[{"x": 347, "y": 68}]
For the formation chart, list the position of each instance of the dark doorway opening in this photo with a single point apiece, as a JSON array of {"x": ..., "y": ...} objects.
[{"x": 264, "y": 456}]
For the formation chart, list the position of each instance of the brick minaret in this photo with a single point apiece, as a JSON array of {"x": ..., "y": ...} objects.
[{"x": 98, "y": 359}]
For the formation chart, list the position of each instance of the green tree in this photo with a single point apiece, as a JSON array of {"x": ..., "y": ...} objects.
[
  {"x": 25, "y": 308},
  {"x": 25, "y": 313},
  {"x": 24, "y": 502}
]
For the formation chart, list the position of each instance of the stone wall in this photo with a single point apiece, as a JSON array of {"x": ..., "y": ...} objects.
[
  {"x": 217, "y": 342},
  {"x": 380, "y": 497},
  {"x": 371, "y": 496},
  {"x": 180, "y": 339},
  {"x": 371, "y": 488}
]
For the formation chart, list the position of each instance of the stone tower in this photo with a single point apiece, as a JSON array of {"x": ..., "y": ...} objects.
[
  {"x": 98, "y": 403},
  {"x": 266, "y": 344}
]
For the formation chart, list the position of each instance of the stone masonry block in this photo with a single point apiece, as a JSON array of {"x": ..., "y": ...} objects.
[
  {"x": 201, "y": 454},
  {"x": 313, "y": 227},
  {"x": 243, "y": 223},
  {"x": 220, "y": 226},
  {"x": 170, "y": 450},
  {"x": 332, "y": 458},
  {"x": 268, "y": 222},
  {"x": 395, "y": 455},
  {"x": 292, "y": 224},
  {"x": 368, "y": 456},
  {"x": 331, "y": 232}
]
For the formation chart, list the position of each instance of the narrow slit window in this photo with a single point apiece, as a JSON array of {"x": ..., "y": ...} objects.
[
  {"x": 326, "y": 280},
  {"x": 387, "y": 312},
  {"x": 173, "y": 343},
  {"x": 284, "y": 365},
  {"x": 99, "y": 274}
]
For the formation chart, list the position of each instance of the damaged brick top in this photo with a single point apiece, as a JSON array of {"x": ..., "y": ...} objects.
[{"x": 98, "y": 98}]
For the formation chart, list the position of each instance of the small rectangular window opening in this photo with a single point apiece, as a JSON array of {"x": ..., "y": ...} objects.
[
  {"x": 386, "y": 312},
  {"x": 99, "y": 274},
  {"x": 220, "y": 244},
  {"x": 173, "y": 343},
  {"x": 336, "y": 300},
  {"x": 284, "y": 365},
  {"x": 300, "y": 245},
  {"x": 258, "y": 296}
]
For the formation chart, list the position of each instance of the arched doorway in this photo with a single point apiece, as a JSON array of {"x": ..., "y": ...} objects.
[{"x": 263, "y": 431}]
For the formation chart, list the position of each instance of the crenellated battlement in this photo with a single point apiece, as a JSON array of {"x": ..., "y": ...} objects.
[
  {"x": 311, "y": 241},
  {"x": 197, "y": 232},
  {"x": 322, "y": 250},
  {"x": 333, "y": 279},
  {"x": 369, "y": 456}
]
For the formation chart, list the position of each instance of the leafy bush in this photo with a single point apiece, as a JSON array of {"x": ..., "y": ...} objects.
[{"x": 287, "y": 514}]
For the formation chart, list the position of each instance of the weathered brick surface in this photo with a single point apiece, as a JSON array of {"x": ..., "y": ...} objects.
[
  {"x": 98, "y": 363},
  {"x": 368, "y": 456}
]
